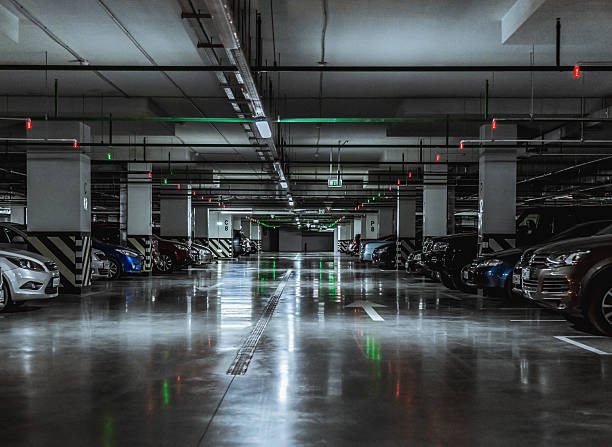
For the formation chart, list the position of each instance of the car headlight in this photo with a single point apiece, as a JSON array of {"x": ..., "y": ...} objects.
[
  {"x": 491, "y": 263},
  {"x": 440, "y": 246},
  {"x": 572, "y": 258},
  {"x": 130, "y": 253},
  {"x": 25, "y": 263}
]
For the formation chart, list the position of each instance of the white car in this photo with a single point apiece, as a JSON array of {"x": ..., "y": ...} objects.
[
  {"x": 100, "y": 265},
  {"x": 27, "y": 276}
]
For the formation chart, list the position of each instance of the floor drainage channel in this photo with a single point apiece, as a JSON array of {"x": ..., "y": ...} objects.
[{"x": 245, "y": 353}]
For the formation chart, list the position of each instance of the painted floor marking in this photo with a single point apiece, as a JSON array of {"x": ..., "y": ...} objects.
[
  {"x": 214, "y": 286},
  {"x": 539, "y": 321},
  {"x": 568, "y": 339},
  {"x": 368, "y": 306}
]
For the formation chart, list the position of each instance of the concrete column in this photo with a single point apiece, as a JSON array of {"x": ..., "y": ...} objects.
[
  {"x": 497, "y": 191},
  {"x": 344, "y": 236},
  {"x": 385, "y": 222},
  {"x": 175, "y": 213},
  {"x": 255, "y": 234},
  {"x": 137, "y": 211},
  {"x": 371, "y": 226},
  {"x": 336, "y": 240},
  {"x": 358, "y": 227},
  {"x": 59, "y": 202},
  {"x": 220, "y": 233},
  {"x": 435, "y": 198},
  {"x": 406, "y": 226},
  {"x": 200, "y": 227},
  {"x": 236, "y": 222}
]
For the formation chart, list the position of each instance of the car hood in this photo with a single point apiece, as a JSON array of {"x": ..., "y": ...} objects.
[
  {"x": 510, "y": 253},
  {"x": 24, "y": 254},
  {"x": 582, "y": 243}
]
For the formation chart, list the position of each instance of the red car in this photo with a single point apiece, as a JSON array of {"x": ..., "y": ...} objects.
[{"x": 172, "y": 255}]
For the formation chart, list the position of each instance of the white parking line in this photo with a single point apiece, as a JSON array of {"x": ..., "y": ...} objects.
[
  {"x": 582, "y": 345},
  {"x": 214, "y": 286},
  {"x": 448, "y": 295},
  {"x": 539, "y": 321}
]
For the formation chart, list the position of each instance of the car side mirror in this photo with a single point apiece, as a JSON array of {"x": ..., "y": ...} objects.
[{"x": 18, "y": 240}]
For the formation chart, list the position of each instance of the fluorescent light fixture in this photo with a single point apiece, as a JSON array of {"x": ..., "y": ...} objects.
[
  {"x": 263, "y": 127},
  {"x": 229, "y": 93},
  {"x": 284, "y": 185},
  {"x": 219, "y": 223}
]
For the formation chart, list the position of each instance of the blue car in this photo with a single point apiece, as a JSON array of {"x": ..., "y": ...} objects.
[{"x": 122, "y": 260}]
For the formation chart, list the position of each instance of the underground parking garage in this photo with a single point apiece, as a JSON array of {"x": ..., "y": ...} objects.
[{"x": 321, "y": 222}]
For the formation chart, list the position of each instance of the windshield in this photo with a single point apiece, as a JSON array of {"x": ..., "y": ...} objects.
[
  {"x": 606, "y": 230},
  {"x": 584, "y": 230}
]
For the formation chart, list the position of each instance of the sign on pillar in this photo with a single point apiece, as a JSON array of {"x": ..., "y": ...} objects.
[
  {"x": 220, "y": 234},
  {"x": 371, "y": 230}
]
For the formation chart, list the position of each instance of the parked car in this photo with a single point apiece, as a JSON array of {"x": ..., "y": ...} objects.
[
  {"x": 450, "y": 255},
  {"x": 172, "y": 255},
  {"x": 573, "y": 276},
  {"x": 368, "y": 248},
  {"x": 121, "y": 260},
  {"x": 100, "y": 264},
  {"x": 384, "y": 256},
  {"x": 204, "y": 254},
  {"x": 26, "y": 276},
  {"x": 493, "y": 272}
]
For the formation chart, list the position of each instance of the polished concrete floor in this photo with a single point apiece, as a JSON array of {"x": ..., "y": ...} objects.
[{"x": 144, "y": 361}]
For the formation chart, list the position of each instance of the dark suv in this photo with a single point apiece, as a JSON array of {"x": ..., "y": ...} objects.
[{"x": 574, "y": 276}]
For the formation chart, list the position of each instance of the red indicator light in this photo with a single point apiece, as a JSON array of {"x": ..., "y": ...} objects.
[
  {"x": 209, "y": 200},
  {"x": 223, "y": 206},
  {"x": 178, "y": 186},
  {"x": 461, "y": 145},
  {"x": 193, "y": 193},
  {"x": 398, "y": 181},
  {"x": 577, "y": 71},
  {"x": 494, "y": 125},
  {"x": 149, "y": 174},
  {"x": 437, "y": 157},
  {"x": 75, "y": 144},
  {"x": 409, "y": 174},
  {"x": 389, "y": 188},
  {"x": 28, "y": 124},
  {"x": 218, "y": 203}
]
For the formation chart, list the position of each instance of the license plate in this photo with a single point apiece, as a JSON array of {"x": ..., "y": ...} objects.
[
  {"x": 56, "y": 282},
  {"x": 465, "y": 274},
  {"x": 516, "y": 279},
  {"x": 525, "y": 274}
]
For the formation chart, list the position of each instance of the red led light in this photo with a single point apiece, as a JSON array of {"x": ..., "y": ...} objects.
[
  {"x": 461, "y": 145},
  {"x": 178, "y": 186},
  {"x": 494, "y": 125},
  {"x": 28, "y": 124},
  {"x": 437, "y": 157},
  {"x": 193, "y": 193},
  {"x": 218, "y": 203},
  {"x": 409, "y": 174},
  {"x": 577, "y": 71},
  {"x": 224, "y": 206},
  {"x": 75, "y": 144},
  {"x": 398, "y": 181},
  {"x": 149, "y": 174},
  {"x": 202, "y": 198},
  {"x": 209, "y": 200},
  {"x": 389, "y": 188}
]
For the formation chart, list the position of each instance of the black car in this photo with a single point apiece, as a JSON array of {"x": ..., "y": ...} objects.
[{"x": 384, "y": 256}]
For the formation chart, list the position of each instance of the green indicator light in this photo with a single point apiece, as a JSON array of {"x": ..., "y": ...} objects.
[
  {"x": 165, "y": 181},
  {"x": 109, "y": 156},
  {"x": 378, "y": 194},
  {"x": 166, "y": 392},
  {"x": 368, "y": 200}
]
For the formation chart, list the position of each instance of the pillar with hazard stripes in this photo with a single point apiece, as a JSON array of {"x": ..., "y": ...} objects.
[
  {"x": 406, "y": 225},
  {"x": 497, "y": 190},
  {"x": 59, "y": 203},
  {"x": 345, "y": 236},
  {"x": 220, "y": 234},
  {"x": 138, "y": 212}
]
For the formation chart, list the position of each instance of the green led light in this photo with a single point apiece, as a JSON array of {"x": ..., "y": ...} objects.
[
  {"x": 378, "y": 194},
  {"x": 165, "y": 181},
  {"x": 109, "y": 156}
]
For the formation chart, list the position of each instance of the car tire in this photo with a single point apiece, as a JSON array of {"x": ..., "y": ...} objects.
[
  {"x": 114, "y": 269},
  {"x": 509, "y": 295},
  {"x": 459, "y": 283},
  {"x": 447, "y": 281},
  {"x": 5, "y": 302},
  {"x": 599, "y": 312},
  {"x": 166, "y": 263}
]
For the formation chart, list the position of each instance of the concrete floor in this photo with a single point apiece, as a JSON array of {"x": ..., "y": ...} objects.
[{"x": 142, "y": 362}]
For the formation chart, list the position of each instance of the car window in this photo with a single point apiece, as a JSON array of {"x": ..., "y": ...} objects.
[
  {"x": 12, "y": 235},
  {"x": 529, "y": 224},
  {"x": 606, "y": 230},
  {"x": 4, "y": 238},
  {"x": 583, "y": 230}
]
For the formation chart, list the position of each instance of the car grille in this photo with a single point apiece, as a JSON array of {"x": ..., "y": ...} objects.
[
  {"x": 103, "y": 271},
  {"x": 530, "y": 285},
  {"x": 555, "y": 285},
  {"x": 538, "y": 261}
]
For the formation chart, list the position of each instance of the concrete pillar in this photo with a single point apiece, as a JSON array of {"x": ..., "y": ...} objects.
[
  {"x": 200, "y": 226},
  {"x": 497, "y": 191},
  {"x": 136, "y": 222},
  {"x": 406, "y": 226},
  {"x": 175, "y": 213},
  {"x": 337, "y": 240},
  {"x": 371, "y": 226},
  {"x": 344, "y": 236},
  {"x": 220, "y": 234},
  {"x": 255, "y": 234},
  {"x": 236, "y": 222},
  {"x": 18, "y": 214},
  {"x": 435, "y": 196},
  {"x": 386, "y": 225},
  {"x": 358, "y": 227},
  {"x": 59, "y": 202}
]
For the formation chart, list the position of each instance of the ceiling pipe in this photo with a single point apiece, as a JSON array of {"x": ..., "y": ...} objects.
[{"x": 307, "y": 68}]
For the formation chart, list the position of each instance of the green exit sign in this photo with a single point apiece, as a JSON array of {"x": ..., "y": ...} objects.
[{"x": 334, "y": 183}]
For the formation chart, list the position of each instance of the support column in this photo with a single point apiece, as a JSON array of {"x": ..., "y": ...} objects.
[
  {"x": 345, "y": 236},
  {"x": 137, "y": 212},
  {"x": 358, "y": 227},
  {"x": 220, "y": 234},
  {"x": 200, "y": 227},
  {"x": 497, "y": 191},
  {"x": 435, "y": 196},
  {"x": 385, "y": 222},
  {"x": 371, "y": 226},
  {"x": 255, "y": 234},
  {"x": 59, "y": 203},
  {"x": 175, "y": 213},
  {"x": 406, "y": 226}
]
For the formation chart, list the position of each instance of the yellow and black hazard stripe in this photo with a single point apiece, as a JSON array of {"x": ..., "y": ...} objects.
[
  {"x": 71, "y": 252},
  {"x": 343, "y": 246},
  {"x": 492, "y": 243},
  {"x": 404, "y": 246},
  {"x": 221, "y": 247},
  {"x": 258, "y": 245},
  {"x": 144, "y": 246}
]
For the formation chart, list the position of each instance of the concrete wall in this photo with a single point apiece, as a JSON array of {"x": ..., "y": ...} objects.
[{"x": 290, "y": 240}]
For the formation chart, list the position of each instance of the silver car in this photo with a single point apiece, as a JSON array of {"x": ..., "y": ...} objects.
[
  {"x": 100, "y": 265},
  {"x": 27, "y": 276}
]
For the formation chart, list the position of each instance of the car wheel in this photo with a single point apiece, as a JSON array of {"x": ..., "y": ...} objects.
[
  {"x": 114, "y": 269},
  {"x": 509, "y": 295},
  {"x": 165, "y": 264},
  {"x": 5, "y": 301},
  {"x": 447, "y": 281},
  {"x": 600, "y": 309}
]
